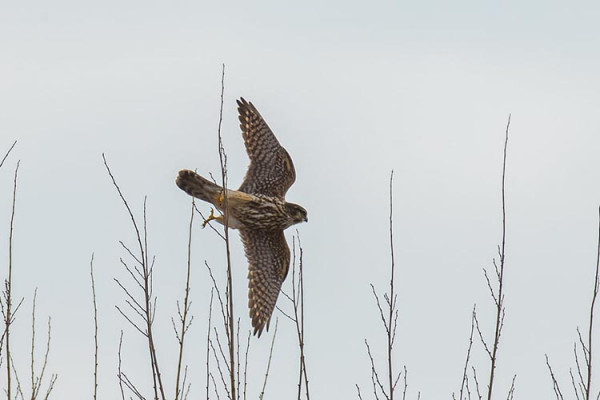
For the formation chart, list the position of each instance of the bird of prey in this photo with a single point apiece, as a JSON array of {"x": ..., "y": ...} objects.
[{"x": 257, "y": 209}]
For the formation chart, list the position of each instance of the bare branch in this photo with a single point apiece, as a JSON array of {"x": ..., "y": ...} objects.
[
  {"x": 389, "y": 318},
  {"x": 588, "y": 386},
  {"x": 8, "y": 314},
  {"x": 237, "y": 340},
  {"x": 489, "y": 285},
  {"x": 143, "y": 308},
  {"x": 95, "y": 327},
  {"x": 120, "y": 374},
  {"x": 298, "y": 306},
  {"x": 216, "y": 289},
  {"x": 133, "y": 221},
  {"x": 288, "y": 316},
  {"x": 476, "y": 383},
  {"x": 555, "y": 385},
  {"x": 375, "y": 376},
  {"x": 208, "y": 343},
  {"x": 463, "y": 385},
  {"x": 220, "y": 347},
  {"x": 183, "y": 317},
  {"x": 221, "y": 374},
  {"x": 499, "y": 299},
  {"x": 7, "y": 153},
  {"x": 358, "y": 392},
  {"x": 381, "y": 313},
  {"x": 511, "y": 391},
  {"x": 262, "y": 392},
  {"x": 230, "y": 328},
  {"x": 246, "y": 363}
]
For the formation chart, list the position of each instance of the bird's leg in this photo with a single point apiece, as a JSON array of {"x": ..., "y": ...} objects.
[{"x": 212, "y": 217}]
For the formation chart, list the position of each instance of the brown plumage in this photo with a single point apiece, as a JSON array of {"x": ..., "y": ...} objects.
[{"x": 258, "y": 209}]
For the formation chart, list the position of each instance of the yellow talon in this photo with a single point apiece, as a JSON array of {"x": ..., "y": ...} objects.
[{"x": 210, "y": 218}]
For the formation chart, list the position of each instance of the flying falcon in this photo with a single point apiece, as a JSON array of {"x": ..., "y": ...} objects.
[{"x": 258, "y": 210}]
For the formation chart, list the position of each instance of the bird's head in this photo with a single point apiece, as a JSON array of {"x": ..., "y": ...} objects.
[{"x": 297, "y": 213}]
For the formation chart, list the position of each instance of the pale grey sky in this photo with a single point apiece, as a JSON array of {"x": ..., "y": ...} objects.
[{"x": 352, "y": 91}]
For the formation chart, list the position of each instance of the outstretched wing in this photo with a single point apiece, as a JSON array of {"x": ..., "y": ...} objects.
[
  {"x": 271, "y": 171},
  {"x": 268, "y": 261}
]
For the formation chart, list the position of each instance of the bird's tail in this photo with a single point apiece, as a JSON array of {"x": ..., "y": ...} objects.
[{"x": 199, "y": 187}]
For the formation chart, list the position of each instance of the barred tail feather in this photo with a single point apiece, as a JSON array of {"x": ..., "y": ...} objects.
[{"x": 198, "y": 186}]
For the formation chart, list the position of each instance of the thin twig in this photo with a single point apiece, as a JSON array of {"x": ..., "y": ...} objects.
[
  {"x": 358, "y": 392},
  {"x": 246, "y": 363},
  {"x": 19, "y": 391},
  {"x": 388, "y": 313},
  {"x": 95, "y": 327},
  {"x": 479, "y": 396},
  {"x": 499, "y": 299},
  {"x": 405, "y": 383},
  {"x": 511, "y": 390},
  {"x": 37, "y": 381},
  {"x": 237, "y": 356},
  {"x": 149, "y": 301},
  {"x": 7, "y": 153},
  {"x": 183, "y": 317},
  {"x": 8, "y": 317},
  {"x": 481, "y": 338},
  {"x": 216, "y": 289},
  {"x": 218, "y": 363},
  {"x": 230, "y": 317},
  {"x": 221, "y": 353},
  {"x": 32, "y": 366},
  {"x": 120, "y": 373},
  {"x": 588, "y": 388},
  {"x": 555, "y": 385},
  {"x": 54, "y": 377},
  {"x": 374, "y": 375},
  {"x": 262, "y": 392},
  {"x": 468, "y": 357},
  {"x": 133, "y": 221},
  {"x": 392, "y": 298},
  {"x": 298, "y": 305},
  {"x": 208, "y": 344}
]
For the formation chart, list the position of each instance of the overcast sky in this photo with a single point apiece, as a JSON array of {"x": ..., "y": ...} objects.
[{"x": 352, "y": 91}]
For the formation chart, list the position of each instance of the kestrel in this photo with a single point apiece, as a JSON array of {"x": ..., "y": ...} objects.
[{"x": 258, "y": 210}]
